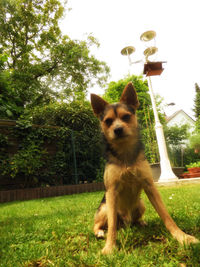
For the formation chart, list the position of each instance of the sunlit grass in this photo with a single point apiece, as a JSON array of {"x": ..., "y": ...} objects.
[{"x": 58, "y": 232}]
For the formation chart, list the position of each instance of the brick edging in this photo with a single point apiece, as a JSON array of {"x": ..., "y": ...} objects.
[{"x": 43, "y": 192}]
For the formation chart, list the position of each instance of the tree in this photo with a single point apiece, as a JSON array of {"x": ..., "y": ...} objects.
[
  {"x": 144, "y": 112},
  {"x": 40, "y": 58},
  {"x": 181, "y": 152},
  {"x": 176, "y": 135},
  {"x": 196, "y": 108},
  {"x": 195, "y": 141},
  {"x": 8, "y": 97},
  {"x": 114, "y": 91}
]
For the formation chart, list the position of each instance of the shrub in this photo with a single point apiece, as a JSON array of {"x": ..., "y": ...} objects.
[
  {"x": 78, "y": 117},
  {"x": 47, "y": 152},
  {"x": 195, "y": 141},
  {"x": 193, "y": 165}
]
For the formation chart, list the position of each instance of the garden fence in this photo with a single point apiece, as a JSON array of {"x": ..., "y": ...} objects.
[{"x": 67, "y": 160}]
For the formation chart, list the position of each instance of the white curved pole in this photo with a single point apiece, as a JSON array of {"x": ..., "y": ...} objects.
[{"x": 165, "y": 166}]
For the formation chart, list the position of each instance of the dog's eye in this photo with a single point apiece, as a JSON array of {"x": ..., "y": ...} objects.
[
  {"x": 108, "y": 121},
  {"x": 126, "y": 117}
]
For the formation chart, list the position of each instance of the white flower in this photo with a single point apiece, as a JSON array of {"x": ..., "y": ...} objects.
[{"x": 171, "y": 196}]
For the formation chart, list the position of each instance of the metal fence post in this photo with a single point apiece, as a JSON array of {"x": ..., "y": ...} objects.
[{"x": 74, "y": 157}]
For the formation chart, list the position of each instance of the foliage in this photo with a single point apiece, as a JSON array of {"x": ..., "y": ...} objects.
[
  {"x": 77, "y": 116},
  {"x": 197, "y": 125},
  {"x": 45, "y": 153},
  {"x": 3, "y": 141},
  {"x": 58, "y": 232},
  {"x": 144, "y": 112},
  {"x": 8, "y": 98},
  {"x": 195, "y": 140},
  {"x": 27, "y": 161},
  {"x": 193, "y": 165},
  {"x": 189, "y": 156},
  {"x": 176, "y": 135},
  {"x": 177, "y": 143},
  {"x": 114, "y": 91},
  {"x": 181, "y": 156},
  {"x": 196, "y": 108},
  {"x": 40, "y": 58}
]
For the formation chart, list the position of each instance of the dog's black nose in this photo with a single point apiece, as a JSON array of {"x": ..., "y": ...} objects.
[{"x": 118, "y": 131}]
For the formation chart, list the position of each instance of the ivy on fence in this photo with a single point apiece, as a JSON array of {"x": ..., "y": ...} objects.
[{"x": 49, "y": 155}]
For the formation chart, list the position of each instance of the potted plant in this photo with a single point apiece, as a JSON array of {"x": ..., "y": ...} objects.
[{"x": 193, "y": 167}]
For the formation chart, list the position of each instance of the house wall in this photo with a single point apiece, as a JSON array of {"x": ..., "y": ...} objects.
[{"x": 180, "y": 119}]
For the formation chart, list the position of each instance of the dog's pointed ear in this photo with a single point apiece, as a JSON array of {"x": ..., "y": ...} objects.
[
  {"x": 129, "y": 96},
  {"x": 98, "y": 104}
]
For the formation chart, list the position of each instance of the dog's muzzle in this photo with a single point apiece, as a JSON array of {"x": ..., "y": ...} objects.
[{"x": 119, "y": 131}]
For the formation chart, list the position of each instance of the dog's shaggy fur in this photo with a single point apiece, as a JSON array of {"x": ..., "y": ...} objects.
[{"x": 127, "y": 172}]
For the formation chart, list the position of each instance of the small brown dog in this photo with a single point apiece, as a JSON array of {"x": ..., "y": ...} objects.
[{"x": 127, "y": 172}]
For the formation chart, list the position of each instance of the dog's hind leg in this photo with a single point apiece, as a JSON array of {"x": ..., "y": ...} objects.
[
  {"x": 138, "y": 214},
  {"x": 100, "y": 221}
]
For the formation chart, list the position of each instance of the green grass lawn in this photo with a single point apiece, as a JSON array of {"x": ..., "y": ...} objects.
[{"x": 58, "y": 232}]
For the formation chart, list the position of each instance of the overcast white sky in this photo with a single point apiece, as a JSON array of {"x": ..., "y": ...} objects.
[{"x": 118, "y": 23}]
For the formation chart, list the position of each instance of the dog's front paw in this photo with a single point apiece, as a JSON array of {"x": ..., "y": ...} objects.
[
  {"x": 189, "y": 239},
  {"x": 100, "y": 234},
  {"x": 107, "y": 249},
  {"x": 185, "y": 239}
]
